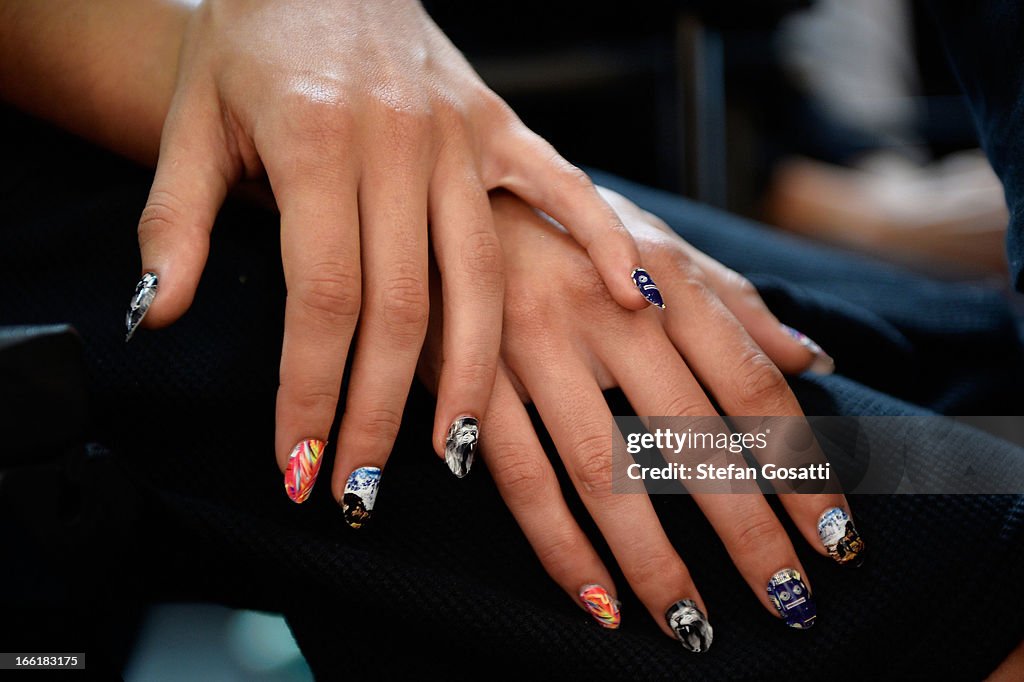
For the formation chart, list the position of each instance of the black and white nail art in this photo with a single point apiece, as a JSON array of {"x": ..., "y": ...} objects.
[
  {"x": 460, "y": 447},
  {"x": 145, "y": 292},
  {"x": 690, "y": 625},
  {"x": 645, "y": 283}
]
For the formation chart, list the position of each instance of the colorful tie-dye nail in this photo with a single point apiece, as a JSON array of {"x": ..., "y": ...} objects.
[
  {"x": 788, "y": 593},
  {"x": 840, "y": 537},
  {"x": 601, "y": 606},
  {"x": 303, "y": 466},
  {"x": 690, "y": 625},
  {"x": 360, "y": 495}
]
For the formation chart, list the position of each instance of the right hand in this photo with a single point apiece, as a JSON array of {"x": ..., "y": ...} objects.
[
  {"x": 564, "y": 341},
  {"x": 366, "y": 122}
]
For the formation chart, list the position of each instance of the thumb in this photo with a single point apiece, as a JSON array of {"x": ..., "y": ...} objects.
[{"x": 174, "y": 230}]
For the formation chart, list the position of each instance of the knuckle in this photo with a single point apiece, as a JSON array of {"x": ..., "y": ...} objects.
[
  {"x": 758, "y": 533},
  {"x": 330, "y": 293},
  {"x": 482, "y": 255},
  {"x": 473, "y": 369},
  {"x": 406, "y": 307},
  {"x": 310, "y": 399},
  {"x": 652, "y": 568},
  {"x": 319, "y": 121},
  {"x": 687, "y": 405},
  {"x": 594, "y": 468},
  {"x": 561, "y": 550},
  {"x": 571, "y": 175},
  {"x": 379, "y": 426},
  {"x": 760, "y": 383},
  {"x": 163, "y": 210},
  {"x": 527, "y": 314},
  {"x": 519, "y": 477}
]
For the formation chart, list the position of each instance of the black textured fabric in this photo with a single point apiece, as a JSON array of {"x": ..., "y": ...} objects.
[{"x": 444, "y": 581}]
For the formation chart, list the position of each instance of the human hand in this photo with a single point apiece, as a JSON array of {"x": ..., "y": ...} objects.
[
  {"x": 564, "y": 341},
  {"x": 367, "y": 123}
]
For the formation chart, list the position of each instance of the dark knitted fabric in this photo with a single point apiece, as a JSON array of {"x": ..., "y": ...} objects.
[{"x": 444, "y": 581}]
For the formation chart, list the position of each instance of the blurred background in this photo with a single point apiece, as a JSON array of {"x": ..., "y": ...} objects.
[{"x": 836, "y": 119}]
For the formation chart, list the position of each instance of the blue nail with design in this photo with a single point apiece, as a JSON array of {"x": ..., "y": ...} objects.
[
  {"x": 789, "y": 595},
  {"x": 645, "y": 283}
]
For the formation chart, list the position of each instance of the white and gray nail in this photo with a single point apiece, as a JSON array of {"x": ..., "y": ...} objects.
[
  {"x": 145, "y": 292},
  {"x": 690, "y": 625},
  {"x": 460, "y": 447}
]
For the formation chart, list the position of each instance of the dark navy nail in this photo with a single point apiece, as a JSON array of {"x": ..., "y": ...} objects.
[
  {"x": 690, "y": 625},
  {"x": 460, "y": 446},
  {"x": 145, "y": 292},
  {"x": 645, "y": 283},
  {"x": 789, "y": 595},
  {"x": 840, "y": 537}
]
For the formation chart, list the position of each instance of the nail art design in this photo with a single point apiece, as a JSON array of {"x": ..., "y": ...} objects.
[
  {"x": 145, "y": 292},
  {"x": 460, "y": 447},
  {"x": 303, "y": 466},
  {"x": 690, "y": 625},
  {"x": 789, "y": 595},
  {"x": 645, "y": 283},
  {"x": 823, "y": 362},
  {"x": 840, "y": 537},
  {"x": 602, "y": 606},
  {"x": 360, "y": 494}
]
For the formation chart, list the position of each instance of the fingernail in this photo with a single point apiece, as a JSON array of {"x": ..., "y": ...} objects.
[
  {"x": 690, "y": 625},
  {"x": 460, "y": 447},
  {"x": 823, "y": 362},
  {"x": 145, "y": 292},
  {"x": 789, "y": 595},
  {"x": 602, "y": 606},
  {"x": 303, "y": 466},
  {"x": 360, "y": 494},
  {"x": 840, "y": 537},
  {"x": 645, "y": 283}
]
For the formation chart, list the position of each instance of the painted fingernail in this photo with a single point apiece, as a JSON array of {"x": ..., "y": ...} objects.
[
  {"x": 303, "y": 466},
  {"x": 645, "y": 283},
  {"x": 690, "y": 625},
  {"x": 145, "y": 292},
  {"x": 360, "y": 494},
  {"x": 823, "y": 362},
  {"x": 603, "y": 607},
  {"x": 460, "y": 447},
  {"x": 789, "y": 595},
  {"x": 840, "y": 537}
]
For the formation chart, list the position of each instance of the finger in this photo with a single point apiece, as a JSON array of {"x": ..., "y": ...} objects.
[
  {"x": 320, "y": 254},
  {"x": 790, "y": 350},
  {"x": 393, "y": 227},
  {"x": 472, "y": 269},
  {"x": 657, "y": 382},
  {"x": 581, "y": 430},
  {"x": 527, "y": 483},
  {"x": 539, "y": 175},
  {"x": 744, "y": 381},
  {"x": 191, "y": 181}
]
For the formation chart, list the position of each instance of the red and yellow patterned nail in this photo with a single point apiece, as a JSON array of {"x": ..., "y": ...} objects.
[
  {"x": 602, "y": 606},
  {"x": 303, "y": 466}
]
